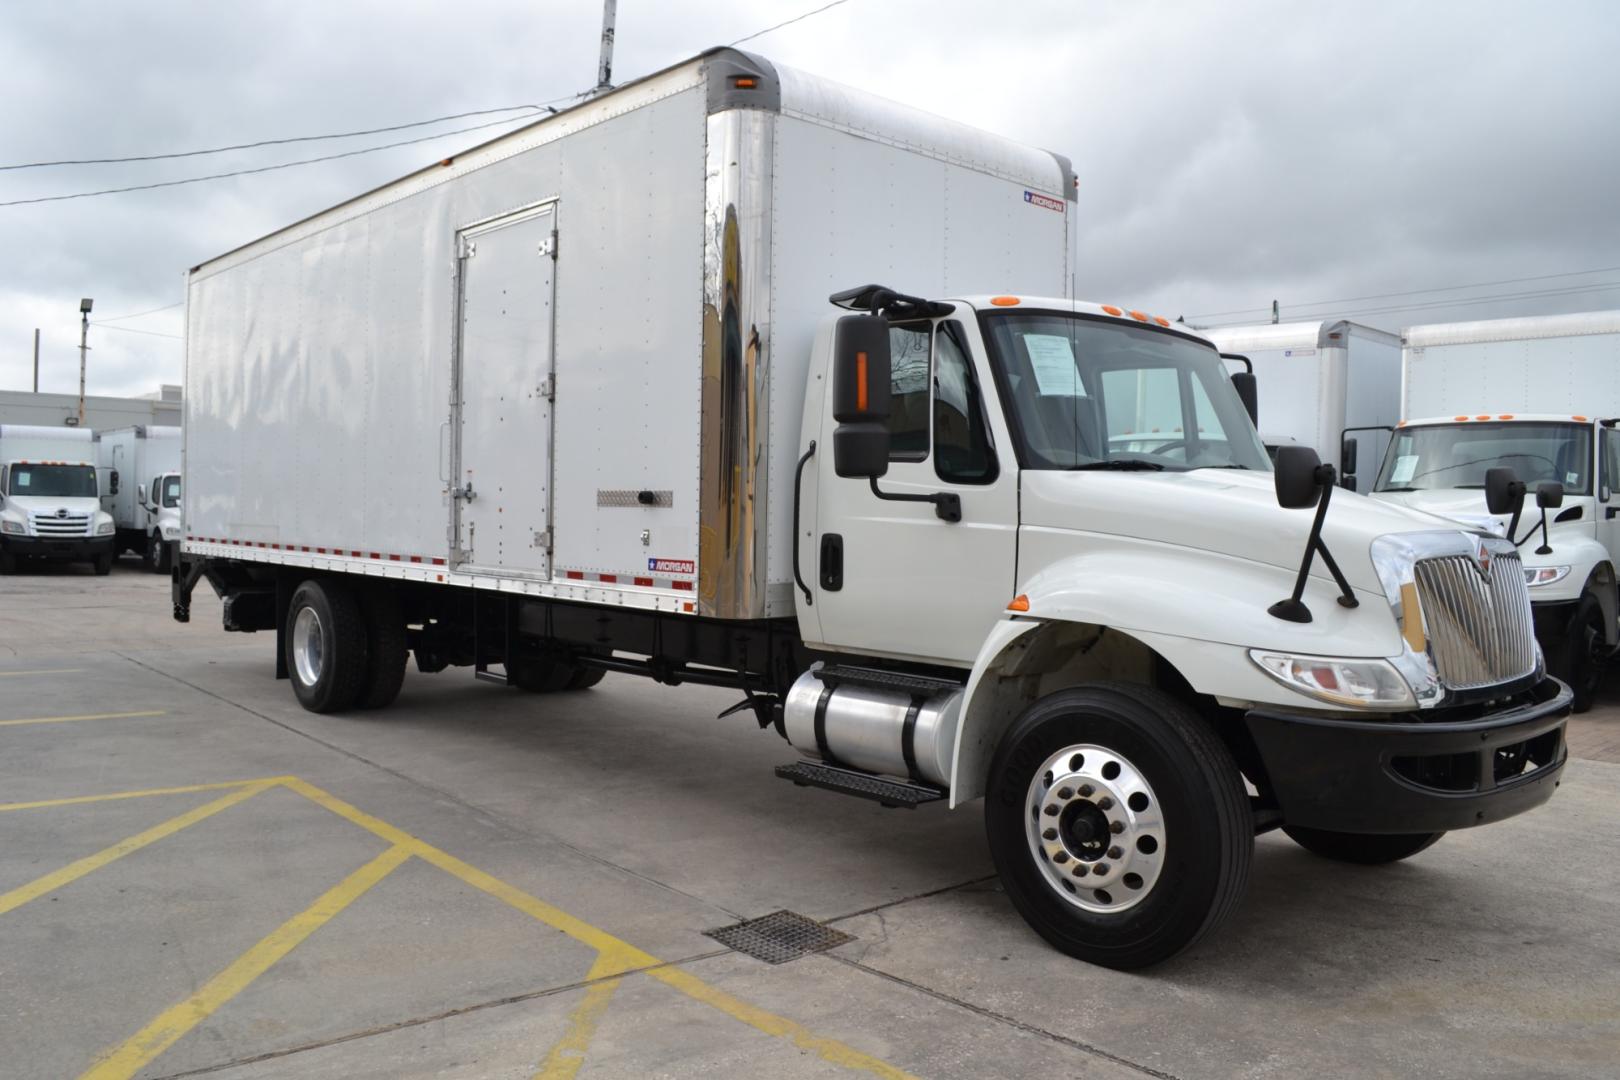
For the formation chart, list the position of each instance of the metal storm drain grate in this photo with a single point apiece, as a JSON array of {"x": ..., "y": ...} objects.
[{"x": 779, "y": 937}]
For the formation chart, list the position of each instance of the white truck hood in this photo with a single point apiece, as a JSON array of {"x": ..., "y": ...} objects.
[
  {"x": 1465, "y": 506},
  {"x": 1232, "y": 512},
  {"x": 46, "y": 505}
]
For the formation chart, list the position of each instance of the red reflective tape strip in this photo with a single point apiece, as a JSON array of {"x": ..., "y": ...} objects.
[
  {"x": 439, "y": 562},
  {"x": 374, "y": 555},
  {"x": 359, "y": 555},
  {"x": 643, "y": 581},
  {"x": 393, "y": 558},
  {"x": 611, "y": 579},
  {"x": 416, "y": 558},
  {"x": 683, "y": 585},
  {"x": 575, "y": 575}
]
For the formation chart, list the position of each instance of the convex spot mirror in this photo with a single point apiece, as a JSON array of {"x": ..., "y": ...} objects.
[
  {"x": 1348, "y": 448},
  {"x": 140, "y": 494},
  {"x": 1297, "y": 474},
  {"x": 1248, "y": 392},
  {"x": 860, "y": 388},
  {"x": 1550, "y": 495},
  {"x": 1504, "y": 491}
]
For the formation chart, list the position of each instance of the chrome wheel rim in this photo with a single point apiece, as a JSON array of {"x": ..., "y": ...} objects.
[
  {"x": 1095, "y": 829},
  {"x": 307, "y": 646}
]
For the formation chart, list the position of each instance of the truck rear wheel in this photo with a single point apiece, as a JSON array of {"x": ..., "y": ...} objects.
[
  {"x": 1368, "y": 849},
  {"x": 386, "y": 649},
  {"x": 326, "y": 646},
  {"x": 1119, "y": 824},
  {"x": 584, "y": 678},
  {"x": 1575, "y": 651},
  {"x": 540, "y": 673},
  {"x": 103, "y": 563}
]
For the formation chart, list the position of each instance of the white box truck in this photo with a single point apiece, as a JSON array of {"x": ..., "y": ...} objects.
[
  {"x": 145, "y": 502},
  {"x": 1323, "y": 378},
  {"x": 1540, "y": 396},
  {"x": 50, "y": 505},
  {"x": 607, "y": 394}
]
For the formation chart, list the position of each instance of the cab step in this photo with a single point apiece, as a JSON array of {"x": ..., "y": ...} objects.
[
  {"x": 903, "y": 681},
  {"x": 897, "y": 794}
]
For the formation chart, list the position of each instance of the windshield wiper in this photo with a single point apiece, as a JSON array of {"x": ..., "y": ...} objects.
[
  {"x": 1120, "y": 464},
  {"x": 1382, "y": 490},
  {"x": 1219, "y": 467}
]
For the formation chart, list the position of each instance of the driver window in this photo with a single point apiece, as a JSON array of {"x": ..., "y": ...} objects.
[
  {"x": 1611, "y": 460},
  {"x": 908, "y": 388},
  {"x": 962, "y": 450}
]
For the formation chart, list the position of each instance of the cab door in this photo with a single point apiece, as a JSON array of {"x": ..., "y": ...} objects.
[
  {"x": 502, "y": 412},
  {"x": 894, "y": 577}
]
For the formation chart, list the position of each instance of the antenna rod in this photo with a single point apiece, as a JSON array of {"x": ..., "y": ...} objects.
[{"x": 604, "y": 69}]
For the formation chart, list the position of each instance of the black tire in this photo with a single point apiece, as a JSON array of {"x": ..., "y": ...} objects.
[
  {"x": 152, "y": 557},
  {"x": 540, "y": 673},
  {"x": 342, "y": 633},
  {"x": 386, "y": 649},
  {"x": 1207, "y": 825},
  {"x": 584, "y": 678},
  {"x": 103, "y": 564},
  {"x": 8, "y": 563},
  {"x": 1573, "y": 649},
  {"x": 1368, "y": 849}
]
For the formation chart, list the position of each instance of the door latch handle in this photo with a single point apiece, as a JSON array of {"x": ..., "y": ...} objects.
[{"x": 466, "y": 493}]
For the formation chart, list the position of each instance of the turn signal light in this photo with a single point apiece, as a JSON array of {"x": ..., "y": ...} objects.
[
  {"x": 1019, "y": 603},
  {"x": 860, "y": 382},
  {"x": 744, "y": 82}
]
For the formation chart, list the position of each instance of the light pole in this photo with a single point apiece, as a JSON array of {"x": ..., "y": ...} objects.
[{"x": 84, "y": 344}]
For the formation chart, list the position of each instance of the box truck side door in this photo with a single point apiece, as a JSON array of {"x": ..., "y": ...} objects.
[
  {"x": 893, "y": 577},
  {"x": 502, "y": 413}
]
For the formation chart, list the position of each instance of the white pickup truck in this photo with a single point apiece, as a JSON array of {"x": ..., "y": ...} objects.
[
  {"x": 1539, "y": 396},
  {"x": 50, "y": 505},
  {"x": 576, "y": 401}
]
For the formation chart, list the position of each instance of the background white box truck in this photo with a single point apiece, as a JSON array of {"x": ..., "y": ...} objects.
[
  {"x": 576, "y": 401},
  {"x": 50, "y": 506},
  {"x": 146, "y": 503},
  {"x": 1321, "y": 379},
  {"x": 1540, "y": 396}
]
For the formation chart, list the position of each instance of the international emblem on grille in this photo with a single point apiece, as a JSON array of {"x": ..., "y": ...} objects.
[
  {"x": 61, "y": 513},
  {"x": 1485, "y": 564}
]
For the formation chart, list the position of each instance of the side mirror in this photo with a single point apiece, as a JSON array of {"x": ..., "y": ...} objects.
[
  {"x": 1504, "y": 491},
  {"x": 140, "y": 494},
  {"x": 860, "y": 387},
  {"x": 1348, "y": 449},
  {"x": 1248, "y": 392},
  {"x": 1297, "y": 472},
  {"x": 1550, "y": 495},
  {"x": 112, "y": 483}
]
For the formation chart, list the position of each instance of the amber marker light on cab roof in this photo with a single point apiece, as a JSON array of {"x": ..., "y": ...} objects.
[
  {"x": 1505, "y": 416},
  {"x": 1112, "y": 310},
  {"x": 1582, "y": 419},
  {"x": 1139, "y": 316},
  {"x": 1019, "y": 603},
  {"x": 1161, "y": 320},
  {"x": 1005, "y": 301}
]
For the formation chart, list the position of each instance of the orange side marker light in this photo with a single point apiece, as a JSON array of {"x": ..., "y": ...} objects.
[{"x": 1019, "y": 603}]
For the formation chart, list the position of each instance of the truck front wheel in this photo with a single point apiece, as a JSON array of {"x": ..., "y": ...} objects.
[
  {"x": 157, "y": 554},
  {"x": 1576, "y": 649},
  {"x": 1367, "y": 849},
  {"x": 103, "y": 563},
  {"x": 1119, "y": 824},
  {"x": 326, "y": 646}
]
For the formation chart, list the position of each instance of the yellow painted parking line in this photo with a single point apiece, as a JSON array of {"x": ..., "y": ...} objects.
[
  {"x": 80, "y": 800},
  {"x": 71, "y": 719},
  {"x": 19, "y": 896},
  {"x": 569, "y": 1054},
  {"x": 128, "y": 1058},
  {"x": 42, "y": 671},
  {"x": 612, "y": 950}
]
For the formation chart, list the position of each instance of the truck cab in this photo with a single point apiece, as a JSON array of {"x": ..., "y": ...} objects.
[
  {"x": 159, "y": 500},
  {"x": 52, "y": 510},
  {"x": 1570, "y": 465}
]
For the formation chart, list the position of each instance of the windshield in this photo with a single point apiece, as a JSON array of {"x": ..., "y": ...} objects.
[
  {"x": 53, "y": 481},
  {"x": 1089, "y": 394},
  {"x": 1440, "y": 456},
  {"x": 171, "y": 491}
]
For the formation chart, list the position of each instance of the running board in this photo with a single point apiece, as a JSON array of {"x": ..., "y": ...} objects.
[
  {"x": 896, "y": 794},
  {"x": 904, "y": 681}
]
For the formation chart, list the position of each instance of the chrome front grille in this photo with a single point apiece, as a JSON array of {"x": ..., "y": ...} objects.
[
  {"x": 50, "y": 525},
  {"x": 1479, "y": 625}
]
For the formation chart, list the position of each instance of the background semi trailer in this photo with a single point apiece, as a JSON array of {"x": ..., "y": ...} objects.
[
  {"x": 1322, "y": 378},
  {"x": 608, "y": 394},
  {"x": 146, "y": 504},
  {"x": 50, "y": 506},
  {"x": 1540, "y": 396}
]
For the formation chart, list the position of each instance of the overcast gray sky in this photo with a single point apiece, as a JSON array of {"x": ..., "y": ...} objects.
[{"x": 1228, "y": 153}]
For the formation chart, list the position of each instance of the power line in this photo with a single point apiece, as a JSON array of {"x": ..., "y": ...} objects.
[
  {"x": 132, "y": 330},
  {"x": 1573, "y": 290},
  {"x": 262, "y": 168},
  {"x": 273, "y": 142},
  {"x": 788, "y": 22},
  {"x": 138, "y": 314},
  {"x": 1408, "y": 292}
]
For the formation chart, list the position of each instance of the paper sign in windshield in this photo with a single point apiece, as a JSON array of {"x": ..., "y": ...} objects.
[
  {"x": 1052, "y": 357},
  {"x": 1405, "y": 466}
]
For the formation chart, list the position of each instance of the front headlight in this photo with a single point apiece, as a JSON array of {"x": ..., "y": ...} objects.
[
  {"x": 1365, "y": 684},
  {"x": 171, "y": 532},
  {"x": 14, "y": 527},
  {"x": 105, "y": 528},
  {"x": 1544, "y": 575}
]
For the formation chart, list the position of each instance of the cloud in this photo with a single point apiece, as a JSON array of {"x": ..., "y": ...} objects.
[{"x": 1227, "y": 154}]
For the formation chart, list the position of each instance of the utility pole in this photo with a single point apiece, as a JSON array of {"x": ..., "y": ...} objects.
[
  {"x": 604, "y": 68},
  {"x": 1276, "y": 314},
  {"x": 36, "y": 359},
  {"x": 84, "y": 345}
]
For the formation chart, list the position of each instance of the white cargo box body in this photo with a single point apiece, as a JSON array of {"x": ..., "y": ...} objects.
[
  {"x": 1318, "y": 378},
  {"x": 599, "y": 324},
  {"x": 1554, "y": 364},
  {"x": 138, "y": 454},
  {"x": 38, "y": 443}
]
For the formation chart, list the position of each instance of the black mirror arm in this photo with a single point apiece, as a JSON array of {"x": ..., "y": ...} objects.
[
  {"x": 947, "y": 505},
  {"x": 1293, "y": 609},
  {"x": 1540, "y": 526}
]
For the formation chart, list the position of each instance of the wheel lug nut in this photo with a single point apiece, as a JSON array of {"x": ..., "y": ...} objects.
[
  {"x": 1081, "y": 870},
  {"x": 1116, "y": 853},
  {"x": 1101, "y": 868},
  {"x": 1086, "y": 790},
  {"x": 1116, "y": 827},
  {"x": 1051, "y": 811},
  {"x": 1105, "y": 803},
  {"x": 1065, "y": 793},
  {"x": 1061, "y": 857},
  {"x": 1049, "y": 834}
]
